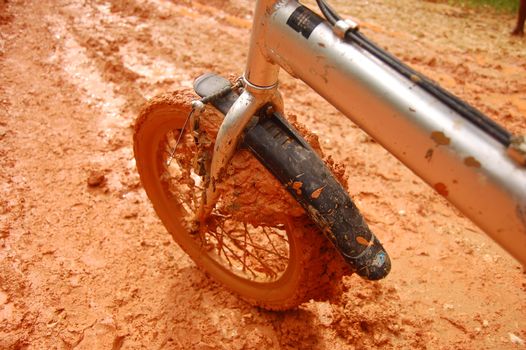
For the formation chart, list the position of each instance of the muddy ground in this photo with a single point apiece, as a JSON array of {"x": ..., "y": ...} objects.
[{"x": 92, "y": 267}]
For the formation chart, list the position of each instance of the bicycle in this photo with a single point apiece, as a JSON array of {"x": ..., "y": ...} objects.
[{"x": 203, "y": 183}]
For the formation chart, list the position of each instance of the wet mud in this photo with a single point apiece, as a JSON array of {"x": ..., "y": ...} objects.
[{"x": 86, "y": 264}]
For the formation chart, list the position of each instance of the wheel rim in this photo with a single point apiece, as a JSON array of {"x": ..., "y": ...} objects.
[{"x": 252, "y": 251}]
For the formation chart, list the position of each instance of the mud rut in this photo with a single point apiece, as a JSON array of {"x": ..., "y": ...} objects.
[{"x": 90, "y": 267}]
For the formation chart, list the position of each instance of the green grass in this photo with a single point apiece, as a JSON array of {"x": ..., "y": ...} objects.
[{"x": 500, "y": 5}]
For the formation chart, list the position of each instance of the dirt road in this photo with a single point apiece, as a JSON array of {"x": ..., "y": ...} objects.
[{"x": 92, "y": 267}]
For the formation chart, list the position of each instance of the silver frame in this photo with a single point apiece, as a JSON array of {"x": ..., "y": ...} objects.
[{"x": 464, "y": 164}]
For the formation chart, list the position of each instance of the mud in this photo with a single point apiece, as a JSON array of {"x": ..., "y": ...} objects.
[{"x": 86, "y": 264}]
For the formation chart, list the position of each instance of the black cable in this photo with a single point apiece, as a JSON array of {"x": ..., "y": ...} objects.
[
  {"x": 328, "y": 12},
  {"x": 332, "y": 12},
  {"x": 462, "y": 108}
]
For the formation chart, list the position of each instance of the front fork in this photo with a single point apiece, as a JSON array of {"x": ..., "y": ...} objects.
[
  {"x": 228, "y": 137},
  {"x": 260, "y": 82}
]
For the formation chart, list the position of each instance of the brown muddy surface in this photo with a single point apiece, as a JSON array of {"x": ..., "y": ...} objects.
[{"x": 86, "y": 264}]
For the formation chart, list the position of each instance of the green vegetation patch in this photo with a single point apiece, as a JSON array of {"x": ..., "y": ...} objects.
[{"x": 501, "y": 5}]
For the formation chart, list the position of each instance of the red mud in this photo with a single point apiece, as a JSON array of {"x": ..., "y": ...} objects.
[{"x": 86, "y": 264}]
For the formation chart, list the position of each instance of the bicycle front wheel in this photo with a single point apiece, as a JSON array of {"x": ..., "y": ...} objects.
[{"x": 258, "y": 241}]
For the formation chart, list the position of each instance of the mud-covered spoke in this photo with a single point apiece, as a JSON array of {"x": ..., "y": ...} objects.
[
  {"x": 249, "y": 255},
  {"x": 248, "y": 249},
  {"x": 272, "y": 243},
  {"x": 257, "y": 247},
  {"x": 263, "y": 266},
  {"x": 257, "y": 254},
  {"x": 245, "y": 267}
]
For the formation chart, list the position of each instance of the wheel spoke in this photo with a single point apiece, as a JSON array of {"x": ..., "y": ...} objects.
[
  {"x": 240, "y": 260},
  {"x": 252, "y": 252},
  {"x": 258, "y": 247}
]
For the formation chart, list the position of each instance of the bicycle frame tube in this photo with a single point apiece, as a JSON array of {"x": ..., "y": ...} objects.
[{"x": 461, "y": 162}]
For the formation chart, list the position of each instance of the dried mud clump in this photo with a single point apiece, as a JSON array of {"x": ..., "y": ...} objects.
[
  {"x": 5, "y": 16},
  {"x": 369, "y": 316},
  {"x": 17, "y": 323},
  {"x": 96, "y": 178}
]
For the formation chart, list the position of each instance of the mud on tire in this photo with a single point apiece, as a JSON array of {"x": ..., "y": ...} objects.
[{"x": 258, "y": 241}]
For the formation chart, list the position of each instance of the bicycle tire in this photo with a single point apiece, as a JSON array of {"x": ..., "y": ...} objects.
[
  {"x": 285, "y": 153},
  {"x": 311, "y": 183},
  {"x": 314, "y": 268}
]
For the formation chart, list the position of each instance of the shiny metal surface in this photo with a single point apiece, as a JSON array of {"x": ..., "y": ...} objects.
[
  {"x": 229, "y": 134},
  {"x": 517, "y": 149},
  {"x": 457, "y": 159},
  {"x": 259, "y": 70},
  {"x": 341, "y": 27},
  {"x": 226, "y": 142}
]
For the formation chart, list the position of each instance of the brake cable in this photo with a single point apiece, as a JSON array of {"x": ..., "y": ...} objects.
[{"x": 465, "y": 110}]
